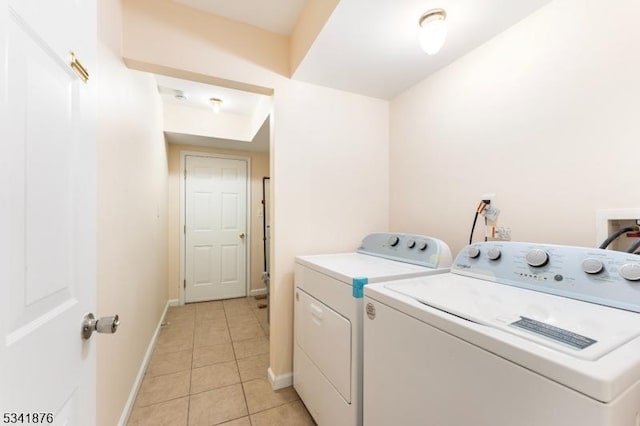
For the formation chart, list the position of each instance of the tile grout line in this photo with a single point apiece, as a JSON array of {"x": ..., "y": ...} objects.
[
  {"x": 163, "y": 402},
  {"x": 235, "y": 359},
  {"x": 148, "y": 377},
  {"x": 244, "y": 394},
  {"x": 278, "y": 406},
  {"x": 193, "y": 344}
]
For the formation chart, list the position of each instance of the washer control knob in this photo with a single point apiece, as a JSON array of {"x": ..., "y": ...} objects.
[
  {"x": 537, "y": 258},
  {"x": 393, "y": 240},
  {"x": 473, "y": 252},
  {"x": 422, "y": 245},
  {"x": 411, "y": 243},
  {"x": 630, "y": 271},
  {"x": 592, "y": 266},
  {"x": 494, "y": 253}
]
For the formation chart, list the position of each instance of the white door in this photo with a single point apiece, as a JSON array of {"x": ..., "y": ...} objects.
[
  {"x": 216, "y": 228},
  {"x": 47, "y": 212}
]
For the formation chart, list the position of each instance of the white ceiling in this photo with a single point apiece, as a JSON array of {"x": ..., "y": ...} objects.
[
  {"x": 368, "y": 47},
  {"x": 278, "y": 16},
  {"x": 237, "y": 102},
  {"x": 371, "y": 46},
  {"x": 198, "y": 95}
]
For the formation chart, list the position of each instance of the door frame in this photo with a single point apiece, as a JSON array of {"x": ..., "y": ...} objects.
[{"x": 183, "y": 258}]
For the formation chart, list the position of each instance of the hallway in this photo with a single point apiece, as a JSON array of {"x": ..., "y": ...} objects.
[{"x": 209, "y": 367}]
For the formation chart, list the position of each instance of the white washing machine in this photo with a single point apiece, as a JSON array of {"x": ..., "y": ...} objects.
[
  {"x": 516, "y": 334},
  {"x": 327, "y": 358}
]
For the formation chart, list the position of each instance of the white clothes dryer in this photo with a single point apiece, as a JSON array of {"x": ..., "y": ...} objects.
[
  {"x": 327, "y": 359},
  {"x": 516, "y": 334}
]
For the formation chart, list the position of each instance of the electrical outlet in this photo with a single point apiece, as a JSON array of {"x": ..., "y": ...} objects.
[{"x": 499, "y": 233}]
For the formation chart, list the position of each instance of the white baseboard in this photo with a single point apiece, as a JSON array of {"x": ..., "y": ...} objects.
[
  {"x": 258, "y": 291},
  {"x": 124, "y": 418},
  {"x": 281, "y": 381}
]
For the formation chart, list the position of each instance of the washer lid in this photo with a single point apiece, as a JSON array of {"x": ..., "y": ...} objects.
[
  {"x": 579, "y": 329},
  {"x": 347, "y": 266}
]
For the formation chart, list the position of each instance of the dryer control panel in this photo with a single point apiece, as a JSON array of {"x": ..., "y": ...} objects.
[
  {"x": 409, "y": 248},
  {"x": 605, "y": 277}
]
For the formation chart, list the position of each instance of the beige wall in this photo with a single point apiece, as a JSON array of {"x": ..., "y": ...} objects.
[
  {"x": 259, "y": 169},
  {"x": 330, "y": 187},
  {"x": 311, "y": 21},
  {"x": 192, "y": 120},
  {"x": 545, "y": 116},
  {"x": 201, "y": 32},
  {"x": 131, "y": 220},
  {"x": 329, "y": 150}
]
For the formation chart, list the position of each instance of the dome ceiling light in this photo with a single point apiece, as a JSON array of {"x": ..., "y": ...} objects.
[
  {"x": 216, "y": 104},
  {"x": 433, "y": 30}
]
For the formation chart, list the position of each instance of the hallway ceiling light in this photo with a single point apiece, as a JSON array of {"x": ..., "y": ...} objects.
[
  {"x": 216, "y": 104},
  {"x": 433, "y": 30}
]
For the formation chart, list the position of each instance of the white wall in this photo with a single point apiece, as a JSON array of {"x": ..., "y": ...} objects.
[
  {"x": 329, "y": 149},
  {"x": 131, "y": 221},
  {"x": 545, "y": 115},
  {"x": 330, "y": 186},
  {"x": 202, "y": 122}
]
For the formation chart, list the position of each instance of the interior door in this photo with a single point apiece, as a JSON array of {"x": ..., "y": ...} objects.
[
  {"x": 216, "y": 228},
  {"x": 47, "y": 212}
]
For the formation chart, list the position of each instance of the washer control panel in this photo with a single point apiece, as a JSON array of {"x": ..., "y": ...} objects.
[
  {"x": 409, "y": 248},
  {"x": 605, "y": 277}
]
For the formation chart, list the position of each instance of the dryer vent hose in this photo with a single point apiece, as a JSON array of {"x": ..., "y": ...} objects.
[{"x": 616, "y": 234}]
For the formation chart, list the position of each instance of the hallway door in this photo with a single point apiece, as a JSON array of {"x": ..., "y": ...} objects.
[
  {"x": 47, "y": 212},
  {"x": 216, "y": 228}
]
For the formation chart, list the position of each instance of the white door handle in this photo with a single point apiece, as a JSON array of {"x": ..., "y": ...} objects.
[
  {"x": 103, "y": 325},
  {"x": 317, "y": 312}
]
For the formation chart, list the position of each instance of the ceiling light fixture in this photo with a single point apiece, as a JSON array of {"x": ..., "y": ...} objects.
[
  {"x": 433, "y": 30},
  {"x": 216, "y": 104}
]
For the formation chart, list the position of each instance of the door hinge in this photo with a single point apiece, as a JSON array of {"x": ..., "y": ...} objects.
[
  {"x": 185, "y": 229},
  {"x": 185, "y": 173},
  {"x": 184, "y": 284}
]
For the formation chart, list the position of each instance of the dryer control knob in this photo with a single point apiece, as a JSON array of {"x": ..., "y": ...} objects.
[
  {"x": 411, "y": 243},
  {"x": 473, "y": 252},
  {"x": 494, "y": 253},
  {"x": 393, "y": 240},
  {"x": 592, "y": 266},
  {"x": 422, "y": 245},
  {"x": 630, "y": 271},
  {"x": 537, "y": 258}
]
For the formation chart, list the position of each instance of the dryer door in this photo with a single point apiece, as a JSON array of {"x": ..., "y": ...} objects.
[{"x": 325, "y": 337}]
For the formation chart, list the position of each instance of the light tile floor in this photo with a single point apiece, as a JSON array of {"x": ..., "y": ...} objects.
[{"x": 209, "y": 367}]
